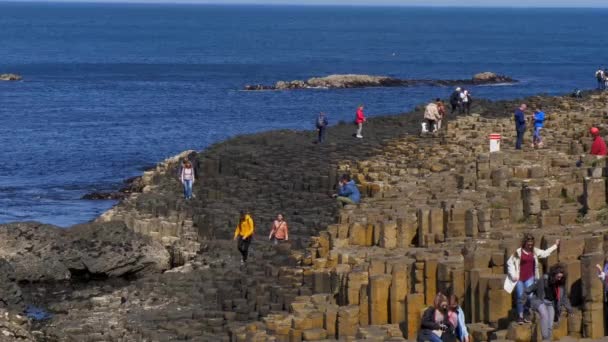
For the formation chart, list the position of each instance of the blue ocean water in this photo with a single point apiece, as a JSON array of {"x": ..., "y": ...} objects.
[{"x": 110, "y": 89}]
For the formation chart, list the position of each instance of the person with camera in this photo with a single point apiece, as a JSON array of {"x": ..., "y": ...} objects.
[{"x": 436, "y": 325}]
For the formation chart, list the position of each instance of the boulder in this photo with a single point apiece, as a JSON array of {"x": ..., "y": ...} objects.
[
  {"x": 10, "y": 77},
  {"x": 40, "y": 252}
]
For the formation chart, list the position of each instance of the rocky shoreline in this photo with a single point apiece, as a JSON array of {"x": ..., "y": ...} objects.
[
  {"x": 438, "y": 211},
  {"x": 365, "y": 81}
]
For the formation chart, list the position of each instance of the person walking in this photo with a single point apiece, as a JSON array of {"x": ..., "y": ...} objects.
[
  {"x": 598, "y": 148},
  {"x": 465, "y": 99},
  {"x": 321, "y": 125},
  {"x": 431, "y": 115},
  {"x": 455, "y": 100},
  {"x": 600, "y": 76},
  {"x": 549, "y": 296},
  {"x": 244, "y": 234},
  {"x": 348, "y": 193},
  {"x": 436, "y": 325},
  {"x": 359, "y": 120},
  {"x": 442, "y": 112},
  {"x": 539, "y": 119},
  {"x": 520, "y": 125},
  {"x": 279, "y": 231},
  {"x": 187, "y": 178},
  {"x": 523, "y": 269}
]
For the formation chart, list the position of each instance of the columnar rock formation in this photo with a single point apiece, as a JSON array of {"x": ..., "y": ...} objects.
[{"x": 439, "y": 212}]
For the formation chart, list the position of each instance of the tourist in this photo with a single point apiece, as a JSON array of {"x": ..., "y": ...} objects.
[
  {"x": 523, "y": 268},
  {"x": 321, "y": 127},
  {"x": 549, "y": 295},
  {"x": 279, "y": 231},
  {"x": 244, "y": 234},
  {"x": 435, "y": 325},
  {"x": 605, "y": 78},
  {"x": 348, "y": 193},
  {"x": 520, "y": 125},
  {"x": 465, "y": 99},
  {"x": 187, "y": 178},
  {"x": 601, "y": 273},
  {"x": 442, "y": 112},
  {"x": 456, "y": 317},
  {"x": 455, "y": 100},
  {"x": 431, "y": 115},
  {"x": 600, "y": 76},
  {"x": 598, "y": 148},
  {"x": 539, "y": 119},
  {"x": 359, "y": 120}
]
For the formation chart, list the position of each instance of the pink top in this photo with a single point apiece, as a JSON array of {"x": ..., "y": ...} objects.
[
  {"x": 360, "y": 116},
  {"x": 279, "y": 230}
]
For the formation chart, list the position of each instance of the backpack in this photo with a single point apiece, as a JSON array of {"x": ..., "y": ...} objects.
[{"x": 320, "y": 121}]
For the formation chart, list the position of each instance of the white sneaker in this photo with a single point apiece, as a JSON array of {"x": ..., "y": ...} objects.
[{"x": 359, "y": 136}]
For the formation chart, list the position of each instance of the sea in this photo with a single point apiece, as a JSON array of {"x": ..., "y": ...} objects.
[{"x": 109, "y": 90}]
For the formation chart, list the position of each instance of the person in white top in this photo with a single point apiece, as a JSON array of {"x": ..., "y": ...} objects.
[
  {"x": 187, "y": 178},
  {"x": 465, "y": 99}
]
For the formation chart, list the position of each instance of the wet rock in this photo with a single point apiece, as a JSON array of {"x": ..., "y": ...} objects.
[
  {"x": 40, "y": 252},
  {"x": 10, "y": 77}
]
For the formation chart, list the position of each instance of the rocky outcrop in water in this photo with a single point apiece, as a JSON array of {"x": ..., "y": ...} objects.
[
  {"x": 38, "y": 252},
  {"x": 363, "y": 81},
  {"x": 10, "y": 77}
]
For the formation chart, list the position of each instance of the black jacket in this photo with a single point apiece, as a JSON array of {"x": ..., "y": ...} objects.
[{"x": 543, "y": 291}]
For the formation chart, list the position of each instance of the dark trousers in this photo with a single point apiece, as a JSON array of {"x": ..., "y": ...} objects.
[
  {"x": 467, "y": 107},
  {"x": 321, "y": 135},
  {"x": 520, "y": 138},
  {"x": 431, "y": 125},
  {"x": 601, "y": 85},
  {"x": 455, "y": 107},
  {"x": 243, "y": 246}
]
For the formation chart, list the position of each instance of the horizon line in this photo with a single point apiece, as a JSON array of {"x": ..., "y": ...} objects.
[{"x": 333, "y": 4}]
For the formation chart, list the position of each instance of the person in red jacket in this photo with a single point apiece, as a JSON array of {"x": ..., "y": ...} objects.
[
  {"x": 599, "y": 145},
  {"x": 359, "y": 120}
]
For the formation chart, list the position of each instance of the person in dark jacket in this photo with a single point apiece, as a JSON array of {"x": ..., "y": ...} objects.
[
  {"x": 348, "y": 193},
  {"x": 520, "y": 124},
  {"x": 321, "y": 125},
  {"x": 455, "y": 100},
  {"x": 549, "y": 296},
  {"x": 435, "y": 325}
]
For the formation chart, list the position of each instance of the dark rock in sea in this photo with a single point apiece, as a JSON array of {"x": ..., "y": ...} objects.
[
  {"x": 10, "y": 77},
  {"x": 363, "y": 81},
  {"x": 104, "y": 196},
  {"x": 39, "y": 252}
]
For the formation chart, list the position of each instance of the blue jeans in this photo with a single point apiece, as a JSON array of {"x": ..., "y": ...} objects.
[
  {"x": 188, "y": 188},
  {"x": 537, "y": 139},
  {"x": 519, "y": 294}
]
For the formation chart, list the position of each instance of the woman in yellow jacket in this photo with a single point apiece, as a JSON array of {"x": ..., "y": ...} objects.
[{"x": 244, "y": 233}]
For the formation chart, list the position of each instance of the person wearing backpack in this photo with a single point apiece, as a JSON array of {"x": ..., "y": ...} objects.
[
  {"x": 321, "y": 127},
  {"x": 600, "y": 75},
  {"x": 359, "y": 120}
]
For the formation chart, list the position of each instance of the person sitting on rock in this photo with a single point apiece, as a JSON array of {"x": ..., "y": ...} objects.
[
  {"x": 442, "y": 112},
  {"x": 279, "y": 231},
  {"x": 455, "y": 100},
  {"x": 431, "y": 115},
  {"x": 348, "y": 193},
  {"x": 599, "y": 145},
  {"x": 436, "y": 325},
  {"x": 548, "y": 296},
  {"x": 457, "y": 319},
  {"x": 523, "y": 269},
  {"x": 244, "y": 234},
  {"x": 187, "y": 178},
  {"x": 539, "y": 119}
]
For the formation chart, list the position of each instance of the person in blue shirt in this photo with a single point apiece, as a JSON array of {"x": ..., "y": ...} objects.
[
  {"x": 539, "y": 119},
  {"x": 457, "y": 319},
  {"x": 520, "y": 124},
  {"x": 321, "y": 125},
  {"x": 348, "y": 193}
]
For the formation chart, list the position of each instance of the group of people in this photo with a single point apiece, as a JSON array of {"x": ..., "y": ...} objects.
[
  {"x": 601, "y": 75},
  {"x": 245, "y": 231},
  {"x": 461, "y": 101},
  {"x": 321, "y": 124},
  {"x": 537, "y": 119},
  {"x": 435, "y": 112}
]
